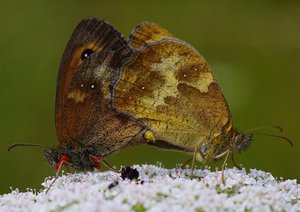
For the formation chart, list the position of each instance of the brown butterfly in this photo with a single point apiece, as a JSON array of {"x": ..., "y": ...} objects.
[
  {"x": 156, "y": 88},
  {"x": 87, "y": 127},
  {"x": 171, "y": 88}
]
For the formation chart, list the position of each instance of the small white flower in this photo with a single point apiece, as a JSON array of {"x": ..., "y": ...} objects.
[{"x": 162, "y": 190}]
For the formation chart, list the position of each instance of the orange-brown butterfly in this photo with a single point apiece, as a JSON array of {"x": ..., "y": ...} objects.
[
  {"x": 153, "y": 88},
  {"x": 172, "y": 89},
  {"x": 87, "y": 126}
]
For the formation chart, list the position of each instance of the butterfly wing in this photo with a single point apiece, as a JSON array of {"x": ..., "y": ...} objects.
[
  {"x": 83, "y": 83},
  {"x": 89, "y": 117},
  {"x": 146, "y": 33},
  {"x": 171, "y": 88}
]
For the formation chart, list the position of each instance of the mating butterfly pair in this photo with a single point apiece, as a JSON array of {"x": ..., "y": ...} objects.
[{"x": 152, "y": 88}]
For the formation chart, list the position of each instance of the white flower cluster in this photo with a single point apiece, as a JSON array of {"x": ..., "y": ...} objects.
[{"x": 159, "y": 189}]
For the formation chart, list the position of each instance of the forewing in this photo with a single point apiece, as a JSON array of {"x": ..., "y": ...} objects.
[
  {"x": 88, "y": 116},
  {"x": 97, "y": 36}
]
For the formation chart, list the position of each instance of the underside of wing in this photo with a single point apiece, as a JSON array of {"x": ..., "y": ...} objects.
[
  {"x": 91, "y": 36},
  {"x": 171, "y": 88},
  {"x": 88, "y": 116}
]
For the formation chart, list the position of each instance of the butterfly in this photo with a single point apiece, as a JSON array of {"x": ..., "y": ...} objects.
[
  {"x": 171, "y": 88},
  {"x": 87, "y": 127},
  {"x": 152, "y": 88}
]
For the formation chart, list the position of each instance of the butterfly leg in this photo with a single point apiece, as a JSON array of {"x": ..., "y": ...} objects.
[
  {"x": 234, "y": 163},
  {"x": 185, "y": 163},
  {"x": 193, "y": 162},
  {"x": 224, "y": 165},
  {"x": 99, "y": 160},
  {"x": 64, "y": 160},
  {"x": 108, "y": 166}
]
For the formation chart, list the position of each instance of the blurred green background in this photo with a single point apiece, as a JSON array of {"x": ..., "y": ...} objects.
[{"x": 253, "y": 48}]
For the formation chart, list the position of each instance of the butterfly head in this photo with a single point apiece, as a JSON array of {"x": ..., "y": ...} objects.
[
  {"x": 79, "y": 158},
  {"x": 242, "y": 141}
]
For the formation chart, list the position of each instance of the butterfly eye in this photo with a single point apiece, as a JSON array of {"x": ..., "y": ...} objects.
[{"x": 86, "y": 53}]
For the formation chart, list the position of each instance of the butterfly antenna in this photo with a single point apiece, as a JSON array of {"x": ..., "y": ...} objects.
[
  {"x": 265, "y": 127},
  {"x": 25, "y": 144},
  {"x": 276, "y": 136}
]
